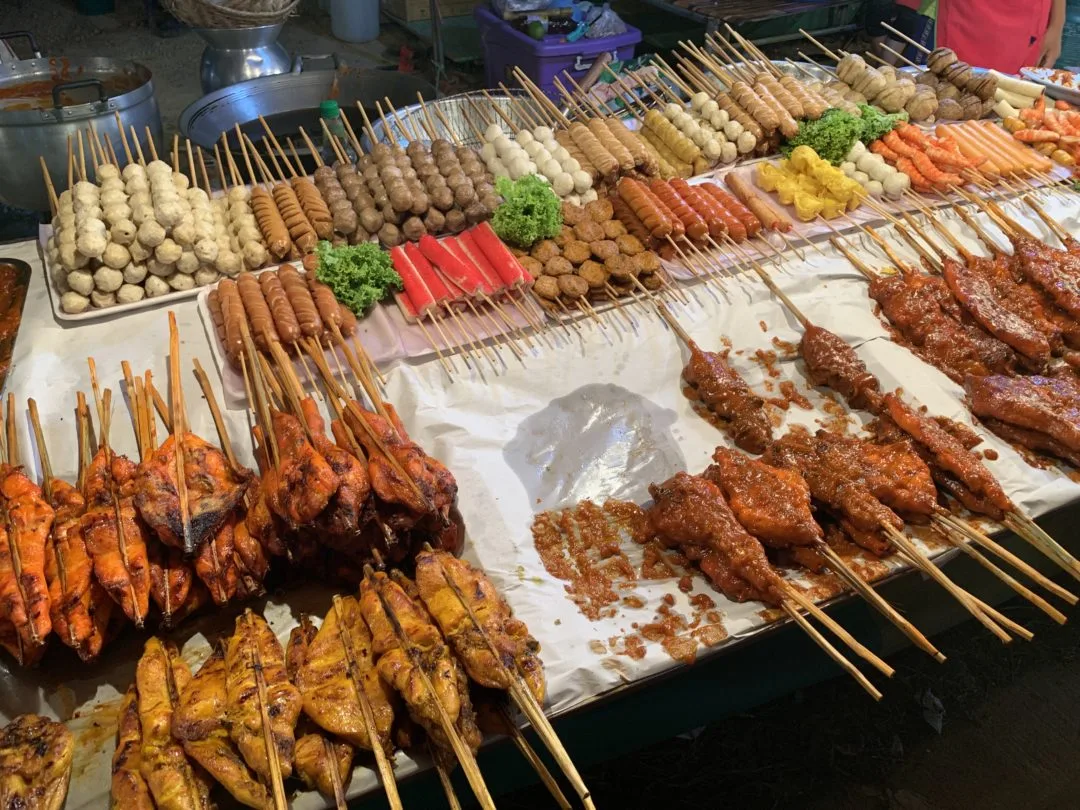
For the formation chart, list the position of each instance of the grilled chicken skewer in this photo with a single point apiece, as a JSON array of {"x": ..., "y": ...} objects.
[
  {"x": 25, "y": 522},
  {"x": 159, "y": 678},
  {"x": 342, "y": 691},
  {"x": 35, "y": 763},
  {"x": 263, "y": 706},
  {"x": 324, "y": 764},
  {"x": 496, "y": 649},
  {"x": 115, "y": 536},
  {"x": 79, "y": 607},
  {"x": 128, "y": 790},
  {"x": 199, "y": 724},
  {"x": 414, "y": 659}
]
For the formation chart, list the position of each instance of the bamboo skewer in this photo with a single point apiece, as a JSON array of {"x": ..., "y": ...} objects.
[
  {"x": 461, "y": 751},
  {"x": 179, "y": 428},
  {"x": 277, "y": 784},
  {"x": 524, "y": 698},
  {"x": 385, "y": 768}
]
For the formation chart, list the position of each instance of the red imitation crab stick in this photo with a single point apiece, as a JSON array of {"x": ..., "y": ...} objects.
[
  {"x": 465, "y": 277},
  {"x": 418, "y": 298},
  {"x": 471, "y": 252},
  {"x": 436, "y": 286},
  {"x": 506, "y": 265}
]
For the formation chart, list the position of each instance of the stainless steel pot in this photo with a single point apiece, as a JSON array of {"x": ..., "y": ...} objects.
[
  {"x": 235, "y": 55},
  {"x": 291, "y": 101},
  {"x": 43, "y": 101}
]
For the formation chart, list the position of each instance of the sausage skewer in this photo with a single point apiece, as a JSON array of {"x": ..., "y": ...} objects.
[{"x": 269, "y": 219}]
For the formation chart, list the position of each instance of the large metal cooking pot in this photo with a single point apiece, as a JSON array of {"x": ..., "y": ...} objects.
[
  {"x": 43, "y": 101},
  {"x": 291, "y": 101}
]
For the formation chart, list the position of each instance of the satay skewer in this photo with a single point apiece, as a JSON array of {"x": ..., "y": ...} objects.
[
  {"x": 461, "y": 751},
  {"x": 382, "y": 762},
  {"x": 523, "y": 696},
  {"x": 276, "y": 782},
  {"x": 179, "y": 428}
]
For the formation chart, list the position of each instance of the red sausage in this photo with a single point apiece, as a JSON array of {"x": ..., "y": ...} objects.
[
  {"x": 719, "y": 221},
  {"x": 696, "y": 227},
  {"x": 751, "y": 225}
]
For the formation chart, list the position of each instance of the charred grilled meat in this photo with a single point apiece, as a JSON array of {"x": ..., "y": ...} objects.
[{"x": 35, "y": 763}]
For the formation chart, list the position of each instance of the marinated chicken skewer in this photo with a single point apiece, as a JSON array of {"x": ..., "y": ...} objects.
[
  {"x": 128, "y": 789},
  {"x": 26, "y": 519},
  {"x": 186, "y": 489},
  {"x": 35, "y": 763},
  {"x": 324, "y": 764},
  {"x": 171, "y": 576},
  {"x": 832, "y": 363},
  {"x": 342, "y": 692},
  {"x": 690, "y": 513},
  {"x": 413, "y": 657},
  {"x": 496, "y": 649},
  {"x": 198, "y": 723},
  {"x": 115, "y": 536},
  {"x": 966, "y": 478},
  {"x": 724, "y": 392},
  {"x": 247, "y": 561},
  {"x": 160, "y": 677},
  {"x": 79, "y": 607},
  {"x": 263, "y": 706},
  {"x": 773, "y": 504}
]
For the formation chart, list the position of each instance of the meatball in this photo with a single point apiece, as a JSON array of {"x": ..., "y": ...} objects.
[
  {"x": 442, "y": 198},
  {"x": 557, "y": 266},
  {"x": 613, "y": 229},
  {"x": 629, "y": 244},
  {"x": 544, "y": 250},
  {"x": 651, "y": 281},
  {"x": 371, "y": 220},
  {"x": 595, "y": 274},
  {"x": 599, "y": 210},
  {"x": 621, "y": 267},
  {"x": 577, "y": 251},
  {"x": 647, "y": 262},
  {"x": 573, "y": 286},
  {"x": 389, "y": 235},
  {"x": 533, "y": 267},
  {"x": 572, "y": 214},
  {"x": 603, "y": 249},
  {"x": 566, "y": 234},
  {"x": 588, "y": 231},
  {"x": 546, "y": 287},
  {"x": 413, "y": 228},
  {"x": 434, "y": 221},
  {"x": 455, "y": 221}
]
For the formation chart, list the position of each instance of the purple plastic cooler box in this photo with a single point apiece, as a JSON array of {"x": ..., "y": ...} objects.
[{"x": 542, "y": 60}]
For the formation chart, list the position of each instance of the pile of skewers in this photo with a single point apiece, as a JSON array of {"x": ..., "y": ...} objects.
[
  {"x": 444, "y": 646},
  {"x": 142, "y": 230}
]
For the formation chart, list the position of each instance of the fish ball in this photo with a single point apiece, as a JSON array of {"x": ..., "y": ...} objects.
[
  {"x": 130, "y": 294},
  {"x": 73, "y": 303},
  {"x": 582, "y": 181},
  {"x": 134, "y": 273},
  {"x": 107, "y": 279},
  {"x": 102, "y": 299},
  {"x": 181, "y": 282},
  {"x": 156, "y": 286},
  {"x": 81, "y": 281}
]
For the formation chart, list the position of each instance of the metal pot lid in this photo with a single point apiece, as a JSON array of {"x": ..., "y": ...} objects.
[
  {"x": 291, "y": 98},
  {"x": 59, "y": 88}
]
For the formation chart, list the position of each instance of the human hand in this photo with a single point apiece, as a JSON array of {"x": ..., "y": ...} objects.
[{"x": 1051, "y": 48}]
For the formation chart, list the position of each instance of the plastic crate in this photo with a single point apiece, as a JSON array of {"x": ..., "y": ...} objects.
[{"x": 543, "y": 60}]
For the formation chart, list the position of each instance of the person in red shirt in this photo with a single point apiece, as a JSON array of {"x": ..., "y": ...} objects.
[{"x": 1002, "y": 34}]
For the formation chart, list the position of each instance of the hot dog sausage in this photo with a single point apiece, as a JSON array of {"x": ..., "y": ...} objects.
[
  {"x": 695, "y": 227},
  {"x": 678, "y": 230},
  {"x": 625, "y": 214},
  {"x": 314, "y": 207},
  {"x": 735, "y": 111},
  {"x": 770, "y": 218},
  {"x": 258, "y": 312},
  {"x": 784, "y": 120},
  {"x": 634, "y": 195},
  {"x": 218, "y": 316},
  {"x": 327, "y": 304},
  {"x": 348, "y": 320},
  {"x": 288, "y": 328},
  {"x": 709, "y": 209},
  {"x": 300, "y": 230},
  {"x": 749, "y": 225},
  {"x": 232, "y": 313},
  {"x": 610, "y": 143},
  {"x": 307, "y": 314},
  {"x": 270, "y": 223}
]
